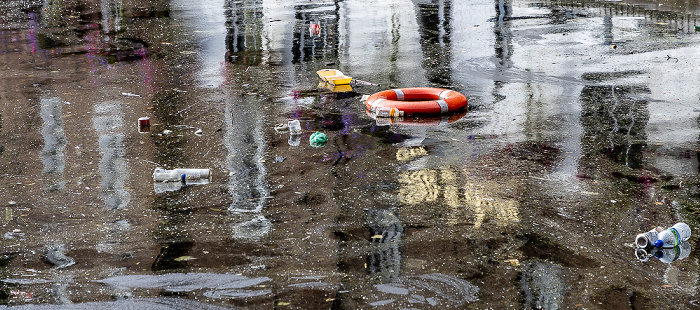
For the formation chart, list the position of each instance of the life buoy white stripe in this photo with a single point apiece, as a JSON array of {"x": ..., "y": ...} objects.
[
  {"x": 444, "y": 94},
  {"x": 399, "y": 94}
]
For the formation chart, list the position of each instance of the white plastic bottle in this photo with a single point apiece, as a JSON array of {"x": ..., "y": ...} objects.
[
  {"x": 388, "y": 112},
  {"x": 163, "y": 175},
  {"x": 673, "y": 236},
  {"x": 648, "y": 238}
]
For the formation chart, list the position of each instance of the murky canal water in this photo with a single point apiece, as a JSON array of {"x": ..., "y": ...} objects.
[{"x": 581, "y": 132}]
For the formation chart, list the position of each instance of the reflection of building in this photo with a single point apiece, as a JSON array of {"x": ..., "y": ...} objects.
[
  {"x": 451, "y": 192},
  {"x": 322, "y": 38},
  {"x": 255, "y": 30},
  {"x": 614, "y": 123},
  {"x": 278, "y": 36},
  {"x": 244, "y": 26},
  {"x": 385, "y": 39}
]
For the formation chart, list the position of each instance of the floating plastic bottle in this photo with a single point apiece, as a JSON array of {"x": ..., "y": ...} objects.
[
  {"x": 648, "y": 238},
  {"x": 673, "y": 236},
  {"x": 388, "y": 112},
  {"x": 668, "y": 255},
  {"x": 163, "y": 175}
]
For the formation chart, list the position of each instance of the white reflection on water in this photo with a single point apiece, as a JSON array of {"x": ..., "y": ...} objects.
[
  {"x": 108, "y": 122},
  {"x": 111, "y": 17},
  {"x": 427, "y": 290},
  {"x": 247, "y": 185},
  {"x": 216, "y": 285},
  {"x": 221, "y": 27},
  {"x": 386, "y": 39},
  {"x": 206, "y": 19},
  {"x": 53, "y": 153}
]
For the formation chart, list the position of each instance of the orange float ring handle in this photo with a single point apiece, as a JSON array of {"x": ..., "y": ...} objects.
[{"x": 421, "y": 100}]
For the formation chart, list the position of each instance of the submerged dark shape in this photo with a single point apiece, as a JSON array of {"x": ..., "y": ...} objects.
[{"x": 544, "y": 249}]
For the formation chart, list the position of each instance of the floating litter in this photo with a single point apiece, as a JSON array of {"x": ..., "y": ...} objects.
[{"x": 318, "y": 139}]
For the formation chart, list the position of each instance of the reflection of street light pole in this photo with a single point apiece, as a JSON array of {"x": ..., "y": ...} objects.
[{"x": 502, "y": 30}]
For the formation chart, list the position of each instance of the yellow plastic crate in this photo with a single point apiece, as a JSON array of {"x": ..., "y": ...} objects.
[{"x": 334, "y": 77}]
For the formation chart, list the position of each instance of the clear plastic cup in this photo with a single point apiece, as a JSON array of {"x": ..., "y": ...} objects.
[{"x": 294, "y": 126}]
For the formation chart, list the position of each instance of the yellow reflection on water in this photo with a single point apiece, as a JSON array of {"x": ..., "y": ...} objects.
[
  {"x": 453, "y": 196},
  {"x": 408, "y": 153},
  {"x": 486, "y": 205},
  {"x": 419, "y": 186}
]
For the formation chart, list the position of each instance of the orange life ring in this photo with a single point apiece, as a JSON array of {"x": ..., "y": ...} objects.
[{"x": 421, "y": 100}]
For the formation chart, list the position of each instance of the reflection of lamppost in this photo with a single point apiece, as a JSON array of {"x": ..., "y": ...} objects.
[
  {"x": 502, "y": 45},
  {"x": 608, "y": 27}
]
